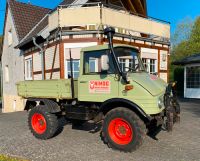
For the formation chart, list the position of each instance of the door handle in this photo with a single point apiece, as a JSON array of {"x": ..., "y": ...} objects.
[{"x": 83, "y": 81}]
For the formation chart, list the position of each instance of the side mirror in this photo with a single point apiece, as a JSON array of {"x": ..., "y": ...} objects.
[{"x": 104, "y": 62}]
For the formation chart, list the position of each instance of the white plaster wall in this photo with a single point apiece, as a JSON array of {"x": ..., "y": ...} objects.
[
  {"x": 38, "y": 77},
  {"x": 163, "y": 76},
  {"x": 36, "y": 62},
  {"x": 49, "y": 54},
  {"x": 14, "y": 59},
  {"x": 56, "y": 75}
]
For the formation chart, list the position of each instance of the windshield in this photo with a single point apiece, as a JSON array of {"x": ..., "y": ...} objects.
[{"x": 128, "y": 59}]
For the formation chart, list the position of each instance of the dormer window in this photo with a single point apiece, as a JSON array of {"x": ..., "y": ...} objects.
[{"x": 10, "y": 38}]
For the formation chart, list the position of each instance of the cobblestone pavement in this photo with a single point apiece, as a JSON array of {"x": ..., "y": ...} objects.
[{"x": 183, "y": 144}]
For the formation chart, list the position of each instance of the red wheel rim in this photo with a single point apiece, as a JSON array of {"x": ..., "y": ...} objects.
[
  {"x": 38, "y": 123},
  {"x": 120, "y": 131}
]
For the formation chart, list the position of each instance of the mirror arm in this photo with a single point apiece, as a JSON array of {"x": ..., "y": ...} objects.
[{"x": 109, "y": 31}]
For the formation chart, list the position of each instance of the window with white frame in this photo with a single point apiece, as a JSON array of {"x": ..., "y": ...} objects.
[
  {"x": 75, "y": 68},
  {"x": 150, "y": 65},
  {"x": 193, "y": 77},
  {"x": 145, "y": 62},
  {"x": 122, "y": 63},
  {"x": 28, "y": 69},
  {"x": 10, "y": 37},
  {"x": 7, "y": 79},
  {"x": 127, "y": 63}
]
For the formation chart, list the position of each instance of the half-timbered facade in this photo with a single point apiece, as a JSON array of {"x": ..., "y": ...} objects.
[{"x": 44, "y": 49}]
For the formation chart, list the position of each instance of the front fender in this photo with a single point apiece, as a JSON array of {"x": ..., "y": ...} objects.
[{"x": 120, "y": 102}]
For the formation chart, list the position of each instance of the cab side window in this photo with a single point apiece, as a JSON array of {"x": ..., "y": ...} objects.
[{"x": 92, "y": 62}]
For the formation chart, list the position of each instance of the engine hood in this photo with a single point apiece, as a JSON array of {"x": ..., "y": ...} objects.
[{"x": 151, "y": 83}]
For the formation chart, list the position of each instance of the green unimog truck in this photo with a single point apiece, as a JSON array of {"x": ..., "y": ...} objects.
[{"x": 126, "y": 100}]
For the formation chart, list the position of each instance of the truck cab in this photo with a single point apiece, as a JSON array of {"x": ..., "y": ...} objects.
[{"x": 99, "y": 80}]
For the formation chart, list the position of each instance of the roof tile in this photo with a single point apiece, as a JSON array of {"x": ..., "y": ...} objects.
[{"x": 26, "y": 16}]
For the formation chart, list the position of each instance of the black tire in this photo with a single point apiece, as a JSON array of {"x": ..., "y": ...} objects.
[
  {"x": 136, "y": 125},
  {"x": 49, "y": 123}
]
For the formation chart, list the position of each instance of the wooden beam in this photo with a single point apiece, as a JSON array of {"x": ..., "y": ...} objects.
[
  {"x": 168, "y": 64},
  {"x": 139, "y": 7},
  {"x": 62, "y": 59},
  {"x": 163, "y": 71},
  {"x": 159, "y": 63},
  {"x": 44, "y": 65},
  {"x": 138, "y": 44},
  {"x": 130, "y": 6},
  {"x": 47, "y": 71}
]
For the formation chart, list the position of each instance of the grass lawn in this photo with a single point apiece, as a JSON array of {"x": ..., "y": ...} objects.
[{"x": 8, "y": 158}]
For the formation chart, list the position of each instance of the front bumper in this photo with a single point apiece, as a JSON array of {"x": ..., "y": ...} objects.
[{"x": 171, "y": 112}]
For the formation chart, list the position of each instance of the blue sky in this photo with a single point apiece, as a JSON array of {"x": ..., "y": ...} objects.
[{"x": 170, "y": 10}]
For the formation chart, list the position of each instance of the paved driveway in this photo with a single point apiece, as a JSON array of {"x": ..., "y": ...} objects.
[{"x": 183, "y": 144}]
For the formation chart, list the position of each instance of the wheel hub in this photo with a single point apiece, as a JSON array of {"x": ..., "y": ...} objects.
[
  {"x": 120, "y": 131},
  {"x": 38, "y": 123}
]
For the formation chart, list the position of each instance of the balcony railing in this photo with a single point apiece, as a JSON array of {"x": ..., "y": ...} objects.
[{"x": 100, "y": 16}]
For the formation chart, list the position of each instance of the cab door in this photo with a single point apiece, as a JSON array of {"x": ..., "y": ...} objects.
[{"x": 95, "y": 85}]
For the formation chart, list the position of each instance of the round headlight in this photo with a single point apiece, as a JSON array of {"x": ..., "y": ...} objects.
[{"x": 160, "y": 102}]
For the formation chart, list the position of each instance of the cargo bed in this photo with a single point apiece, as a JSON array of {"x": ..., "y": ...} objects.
[{"x": 58, "y": 89}]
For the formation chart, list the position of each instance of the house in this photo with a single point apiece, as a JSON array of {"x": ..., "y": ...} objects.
[
  {"x": 37, "y": 41},
  {"x": 191, "y": 75}
]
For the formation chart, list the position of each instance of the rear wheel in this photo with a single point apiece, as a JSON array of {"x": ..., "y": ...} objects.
[
  {"x": 42, "y": 124},
  {"x": 123, "y": 130}
]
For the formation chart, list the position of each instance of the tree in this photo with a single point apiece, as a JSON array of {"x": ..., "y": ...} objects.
[
  {"x": 194, "y": 40},
  {"x": 182, "y": 31},
  {"x": 188, "y": 40}
]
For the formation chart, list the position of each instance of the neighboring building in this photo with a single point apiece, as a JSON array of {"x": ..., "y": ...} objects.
[
  {"x": 191, "y": 75},
  {"x": 37, "y": 41}
]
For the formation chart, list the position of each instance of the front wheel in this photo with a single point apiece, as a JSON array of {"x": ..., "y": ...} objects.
[
  {"x": 42, "y": 124},
  {"x": 123, "y": 130}
]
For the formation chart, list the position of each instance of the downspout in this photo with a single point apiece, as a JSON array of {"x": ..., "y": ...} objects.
[
  {"x": 1, "y": 75},
  {"x": 42, "y": 56},
  {"x": 2, "y": 100}
]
